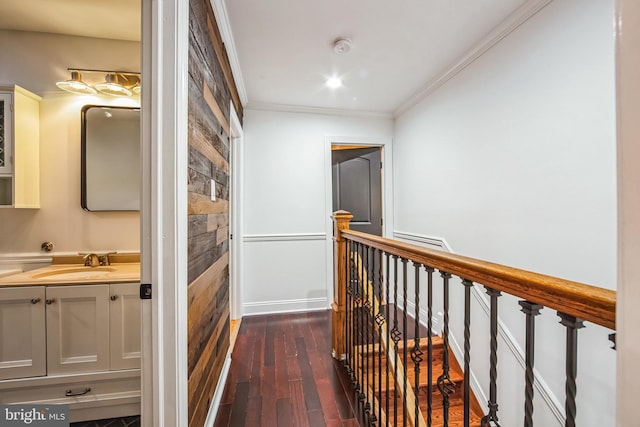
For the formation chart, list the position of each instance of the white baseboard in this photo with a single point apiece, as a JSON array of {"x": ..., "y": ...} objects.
[
  {"x": 217, "y": 395},
  {"x": 284, "y": 306}
]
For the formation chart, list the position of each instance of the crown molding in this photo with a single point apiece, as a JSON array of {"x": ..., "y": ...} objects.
[
  {"x": 502, "y": 30},
  {"x": 224, "y": 25},
  {"x": 287, "y": 108}
]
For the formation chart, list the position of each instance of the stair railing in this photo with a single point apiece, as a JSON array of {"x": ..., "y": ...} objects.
[{"x": 385, "y": 345}]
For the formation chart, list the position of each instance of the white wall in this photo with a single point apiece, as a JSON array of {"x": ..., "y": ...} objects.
[
  {"x": 36, "y": 61},
  {"x": 513, "y": 161},
  {"x": 285, "y": 214}
]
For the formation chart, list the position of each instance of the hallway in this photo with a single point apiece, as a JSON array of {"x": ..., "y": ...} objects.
[{"x": 282, "y": 374}]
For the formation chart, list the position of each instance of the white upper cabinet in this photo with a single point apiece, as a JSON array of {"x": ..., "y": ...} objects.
[{"x": 19, "y": 148}]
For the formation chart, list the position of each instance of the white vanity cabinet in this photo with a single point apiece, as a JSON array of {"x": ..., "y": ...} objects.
[
  {"x": 23, "y": 351},
  {"x": 124, "y": 326},
  {"x": 19, "y": 148},
  {"x": 72, "y": 344},
  {"x": 77, "y": 329}
]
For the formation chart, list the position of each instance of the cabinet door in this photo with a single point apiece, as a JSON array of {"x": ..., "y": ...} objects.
[
  {"x": 6, "y": 133},
  {"x": 22, "y": 332},
  {"x": 77, "y": 329},
  {"x": 124, "y": 318}
]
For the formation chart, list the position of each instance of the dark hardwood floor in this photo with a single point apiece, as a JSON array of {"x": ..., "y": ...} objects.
[{"x": 282, "y": 375}]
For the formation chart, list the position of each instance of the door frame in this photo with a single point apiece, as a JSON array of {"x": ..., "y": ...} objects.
[
  {"x": 386, "y": 144},
  {"x": 628, "y": 132},
  {"x": 235, "y": 216},
  {"x": 163, "y": 212}
]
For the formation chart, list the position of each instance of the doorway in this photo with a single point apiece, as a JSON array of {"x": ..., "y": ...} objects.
[{"x": 357, "y": 185}]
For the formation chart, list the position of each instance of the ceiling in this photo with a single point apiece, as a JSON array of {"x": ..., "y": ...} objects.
[
  {"x": 284, "y": 48},
  {"x": 112, "y": 19}
]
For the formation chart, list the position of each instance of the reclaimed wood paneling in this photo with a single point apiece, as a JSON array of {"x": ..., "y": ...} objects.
[{"x": 211, "y": 90}]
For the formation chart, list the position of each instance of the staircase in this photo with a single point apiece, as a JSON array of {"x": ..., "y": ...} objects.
[{"x": 390, "y": 404}]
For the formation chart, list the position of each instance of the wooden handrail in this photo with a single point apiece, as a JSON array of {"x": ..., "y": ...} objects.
[{"x": 590, "y": 303}]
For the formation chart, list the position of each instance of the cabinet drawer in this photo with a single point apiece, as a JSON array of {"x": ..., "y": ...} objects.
[{"x": 105, "y": 387}]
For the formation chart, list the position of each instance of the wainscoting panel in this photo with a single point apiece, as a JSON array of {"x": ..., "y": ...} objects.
[{"x": 284, "y": 273}]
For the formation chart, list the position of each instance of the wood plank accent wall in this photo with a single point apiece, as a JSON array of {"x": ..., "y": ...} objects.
[{"x": 211, "y": 89}]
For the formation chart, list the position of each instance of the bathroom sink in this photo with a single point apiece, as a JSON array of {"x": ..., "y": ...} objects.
[{"x": 74, "y": 273}]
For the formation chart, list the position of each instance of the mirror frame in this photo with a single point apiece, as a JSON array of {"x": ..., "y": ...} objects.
[{"x": 83, "y": 154}]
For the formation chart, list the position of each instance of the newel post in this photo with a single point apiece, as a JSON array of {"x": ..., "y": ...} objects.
[{"x": 338, "y": 307}]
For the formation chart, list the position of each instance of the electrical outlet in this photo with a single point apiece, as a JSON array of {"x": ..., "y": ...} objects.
[{"x": 213, "y": 190}]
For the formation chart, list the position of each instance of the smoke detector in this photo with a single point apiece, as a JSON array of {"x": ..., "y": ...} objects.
[{"x": 342, "y": 46}]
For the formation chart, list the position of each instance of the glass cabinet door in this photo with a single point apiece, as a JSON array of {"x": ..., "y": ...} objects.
[{"x": 5, "y": 133}]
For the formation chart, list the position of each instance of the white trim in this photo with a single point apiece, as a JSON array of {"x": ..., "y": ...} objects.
[
  {"x": 287, "y": 108},
  {"x": 292, "y": 237},
  {"x": 628, "y": 150},
  {"x": 387, "y": 191},
  {"x": 224, "y": 25},
  {"x": 285, "y": 306},
  {"x": 421, "y": 238},
  {"x": 502, "y": 30},
  {"x": 165, "y": 46},
  {"x": 236, "y": 216},
  {"x": 217, "y": 394}
]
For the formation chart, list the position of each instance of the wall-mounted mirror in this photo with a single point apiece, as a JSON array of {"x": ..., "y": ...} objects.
[{"x": 110, "y": 158}]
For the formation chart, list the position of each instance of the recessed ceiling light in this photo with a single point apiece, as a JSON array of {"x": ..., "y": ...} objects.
[{"x": 334, "y": 82}]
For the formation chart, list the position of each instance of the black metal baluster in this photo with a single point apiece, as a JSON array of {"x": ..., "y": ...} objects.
[
  {"x": 416, "y": 352},
  {"x": 347, "y": 301},
  {"x": 572, "y": 324},
  {"x": 354, "y": 284},
  {"x": 372, "y": 309},
  {"x": 612, "y": 338},
  {"x": 445, "y": 385},
  {"x": 430, "y": 271},
  {"x": 531, "y": 310},
  {"x": 380, "y": 320},
  {"x": 360, "y": 370},
  {"x": 395, "y": 336},
  {"x": 467, "y": 350},
  {"x": 386, "y": 354},
  {"x": 404, "y": 333},
  {"x": 492, "y": 416},
  {"x": 367, "y": 305}
]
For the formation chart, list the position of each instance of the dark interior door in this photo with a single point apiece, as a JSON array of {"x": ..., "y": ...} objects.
[{"x": 357, "y": 187}]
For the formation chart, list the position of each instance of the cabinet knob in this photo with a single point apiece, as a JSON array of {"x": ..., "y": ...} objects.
[
  {"x": 49, "y": 301},
  {"x": 114, "y": 297},
  {"x": 35, "y": 300}
]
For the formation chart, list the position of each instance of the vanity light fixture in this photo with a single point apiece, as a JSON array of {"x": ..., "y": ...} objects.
[
  {"x": 76, "y": 85},
  {"x": 113, "y": 83}
]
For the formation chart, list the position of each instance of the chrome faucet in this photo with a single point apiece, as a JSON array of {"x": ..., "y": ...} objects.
[{"x": 91, "y": 260}]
